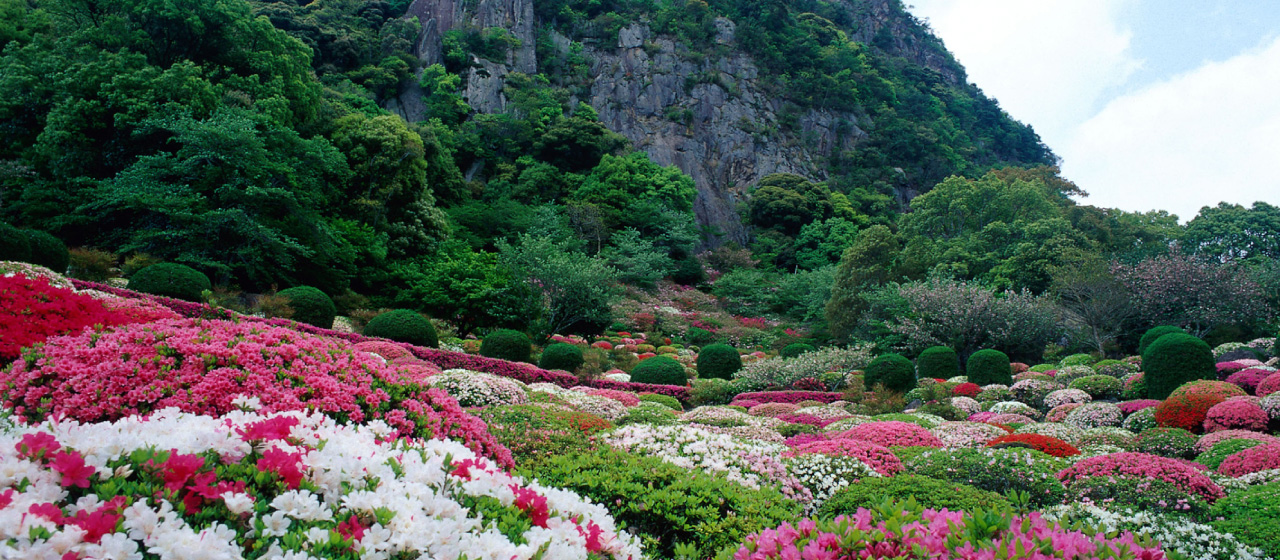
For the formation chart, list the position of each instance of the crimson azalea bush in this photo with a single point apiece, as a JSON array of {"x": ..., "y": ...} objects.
[
  {"x": 1249, "y": 379},
  {"x": 203, "y": 366},
  {"x": 32, "y": 310},
  {"x": 1044, "y": 444},
  {"x": 1269, "y": 384},
  {"x": 966, "y": 389},
  {"x": 1132, "y": 465},
  {"x": 1187, "y": 411}
]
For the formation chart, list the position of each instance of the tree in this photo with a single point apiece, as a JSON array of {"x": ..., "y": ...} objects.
[
  {"x": 1094, "y": 299},
  {"x": 1230, "y": 232},
  {"x": 1193, "y": 293},
  {"x": 638, "y": 262},
  {"x": 869, "y": 262},
  {"x": 577, "y": 290},
  {"x": 822, "y": 243},
  {"x": 786, "y": 202},
  {"x": 466, "y": 288}
]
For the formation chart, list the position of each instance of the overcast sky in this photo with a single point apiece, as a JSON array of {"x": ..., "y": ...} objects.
[{"x": 1151, "y": 104}]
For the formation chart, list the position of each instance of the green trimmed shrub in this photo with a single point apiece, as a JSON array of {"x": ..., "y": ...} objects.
[
  {"x": 48, "y": 251},
  {"x": 659, "y": 370},
  {"x": 1175, "y": 359},
  {"x": 665, "y": 504},
  {"x": 311, "y": 306},
  {"x": 670, "y": 402},
  {"x": 1098, "y": 386},
  {"x": 536, "y": 433},
  {"x": 561, "y": 356},
  {"x": 938, "y": 362},
  {"x": 1175, "y": 443},
  {"x": 649, "y": 413},
  {"x": 15, "y": 245},
  {"x": 699, "y": 336},
  {"x": 1252, "y": 515},
  {"x": 718, "y": 361},
  {"x": 986, "y": 367},
  {"x": 1077, "y": 360},
  {"x": 171, "y": 280},
  {"x": 507, "y": 344},
  {"x": 1154, "y": 334},
  {"x": 1214, "y": 457},
  {"x": 403, "y": 325},
  {"x": 796, "y": 349},
  {"x": 996, "y": 470},
  {"x": 893, "y": 371},
  {"x": 929, "y": 492},
  {"x": 706, "y": 392}
]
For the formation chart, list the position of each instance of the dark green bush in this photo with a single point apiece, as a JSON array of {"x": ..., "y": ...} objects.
[
  {"x": 507, "y": 344},
  {"x": 938, "y": 362},
  {"x": 1175, "y": 359},
  {"x": 14, "y": 244},
  {"x": 1154, "y": 334},
  {"x": 892, "y": 371},
  {"x": 659, "y": 370},
  {"x": 718, "y": 361},
  {"x": 403, "y": 325},
  {"x": 665, "y": 504},
  {"x": 48, "y": 251},
  {"x": 795, "y": 349},
  {"x": 670, "y": 402},
  {"x": 561, "y": 356},
  {"x": 1145, "y": 494},
  {"x": 311, "y": 306},
  {"x": 707, "y": 392},
  {"x": 1214, "y": 457},
  {"x": 996, "y": 470},
  {"x": 699, "y": 337},
  {"x": 986, "y": 367},
  {"x": 1252, "y": 515},
  {"x": 929, "y": 492},
  {"x": 171, "y": 280}
]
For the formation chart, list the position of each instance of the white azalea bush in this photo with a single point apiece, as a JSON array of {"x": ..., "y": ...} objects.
[
  {"x": 1175, "y": 533},
  {"x": 473, "y": 388},
  {"x": 824, "y": 475},
  {"x": 286, "y": 485}
]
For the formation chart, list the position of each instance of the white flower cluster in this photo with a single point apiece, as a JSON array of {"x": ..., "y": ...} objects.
[
  {"x": 1015, "y": 407},
  {"x": 1175, "y": 533},
  {"x": 752, "y": 464},
  {"x": 414, "y": 488},
  {"x": 725, "y": 416},
  {"x": 473, "y": 388},
  {"x": 1066, "y": 396},
  {"x": 827, "y": 412},
  {"x": 824, "y": 475}
]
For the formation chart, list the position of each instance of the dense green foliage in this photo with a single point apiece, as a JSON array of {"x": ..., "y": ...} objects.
[
  {"x": 891, "y": 371},
  {"x": 996, "y": 470},
  {"x": 665, "y": 504},
  {"x": 1175, "y": 359},
  {"x": 507, "y": 344},
  {"x": 938, "y": 362},
  {"x": 659, "y": 370},
  {"x": 1252, "y": 515},
  {"x": 171, "y": 280},
  {"x": 795, "y": 349},
  {"x": 986, "y": 367},
  {"x": 538, "y": 433},
  {"x": 928, "y": 492},
  {"x": 719, "y": 361},
  {"x": 14, "y": 244},
  {"x": 48, "y": 251},
  {"x": 403, "y": 325},
  {"x": 561, "y": 356},
  {"x": 1223, "y": 449},
  {"x": 310, "y": 306},
  {"x": 1154, "y": 334},
  {"x": 669, "y": 402}
]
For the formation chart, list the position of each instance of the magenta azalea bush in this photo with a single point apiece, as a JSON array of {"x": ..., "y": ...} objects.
[
  {"x": 1236, "y": 415},
  {"x": 1255, "y": 459},
  {"x": 892, "y": 433},
  {"x": 875, "y": 456},
  {"x": 1142, "y": 466}
]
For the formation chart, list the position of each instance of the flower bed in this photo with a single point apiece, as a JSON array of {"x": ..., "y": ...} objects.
[
  {"x": 1236, "y": 415},
  {"x": 32, "y": 310},
  {"x": 1044, "y": 444},
  {"x": 292, "y": 485},
  {"x": 875, "y": 456},
  {"x": 1144, "y": 466},
  {"x": 892, "y": 433}
]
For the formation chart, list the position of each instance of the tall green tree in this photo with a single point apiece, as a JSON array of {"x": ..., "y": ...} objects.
[{"x": 576, "y": 290}]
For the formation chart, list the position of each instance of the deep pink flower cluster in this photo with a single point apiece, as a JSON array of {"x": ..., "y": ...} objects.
[
  {"x": 1261, "y": 458},
  {"x": 747, "y": 403},
  {"x": 934, "y": 534},
  {"x": 1227, "y": 368},
  {"x": 628, "y": 399},
  {"x": 893, "y": 433},
  {"x": 1249, "y": 378},
  {"x": 801, "y": 439},
  {"x": 806, "y": 419},
  {"x": 1139, "y": 466},
  {"x": 984, "y": 416},
  {"x": 1130, "y": 407},
  {"x": 791, "y": 397},
  {"x": 1236, "y": 415},
  {"x": 1269, "y": 384},
  {"x": 1060, "y": 412},
  {"x": 202, "y": 366},
  {"x": 875, "y": 456},
  {"x": 1207, "y": 441}
]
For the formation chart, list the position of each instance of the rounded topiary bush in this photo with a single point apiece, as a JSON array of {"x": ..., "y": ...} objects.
[
  {"x": 793, "y": 350},
  {"x": 561, "y": 356},
  {"x": 171, "y": 280},
  {"x": 1153, "y": 334},
  {"x": 659, "y": 370},
  {"x": 48, "y": 251},
  {"x": 311, "y": 306},
  {"x": 893, "y": 371},
  {"x": 669, "y": 402},
  {"x": 14, "y": 244},
  {"x": 403, "y": 325},
  {"x": 1175, "y": 359},
  {"x": 986, "y": 367},
  {"x": 938, "y": 362},
  {"x": 507, "y": 344},
  {"x": 718, "y": 361},
  {"x": 929, "y": 492},
  {"x": 1175, "y": 443}
]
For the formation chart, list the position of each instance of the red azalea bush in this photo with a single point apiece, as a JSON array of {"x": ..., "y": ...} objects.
[
  {"x": 1261, "y": 458},
  {"x": 203, "y": 366},
  {"x": 875, "y": 456},
  {"x": 1130, "y": 407},
  {"x": 1188, "y": 410},
  {"x": 32, "y": 310},
  {"x": 1236, "y": 415},
  {"x": 1269, "y": 384},
  {"x": 1044, "y": 444},
  {"x": 1249, "y": 378},
  {"x": 893, "y": 433},
  {"x": 970, "y": 390},
  {"x": 1140, "y": 466},
  {"x": 791, "y": 397}
]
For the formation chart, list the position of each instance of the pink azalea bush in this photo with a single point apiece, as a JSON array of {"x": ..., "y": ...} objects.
[
  {"x": 875, "y": 456},
  {"x": 203, "y": 366},
  {"x": 1141, "y": 466},
  {"x": 1130, "y": 407},
  {"x": 966, "y": 434},
  {"x": 628, "y": 399},
  {"x": 1236, "y": 415},
  {"x": 927, "y": 533},
  {"x": 1269, "y": 384},
  {"x": 1207, "y": 441},
  {"x": 1255, "y": 459},
  {"x": 1060, "y": 412},
  {"x": 790, "y": 397},
  {"x": 892, "y": 433},
  {"x": 1249, "y": 378}
]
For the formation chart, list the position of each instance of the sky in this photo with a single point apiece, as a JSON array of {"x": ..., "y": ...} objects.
[{"x": 1151, "y": 104}]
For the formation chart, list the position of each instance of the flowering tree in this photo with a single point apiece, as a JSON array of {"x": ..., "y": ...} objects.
[{"x": 1195, "y": 294}]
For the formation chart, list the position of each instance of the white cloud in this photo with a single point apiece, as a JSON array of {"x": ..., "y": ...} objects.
[
  {"x": 1048, "y": 62},
  {"x": 1209, "y": 135}
]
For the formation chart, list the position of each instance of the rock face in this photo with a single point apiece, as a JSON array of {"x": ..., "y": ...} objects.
[{"x": 710, "y": 117}]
